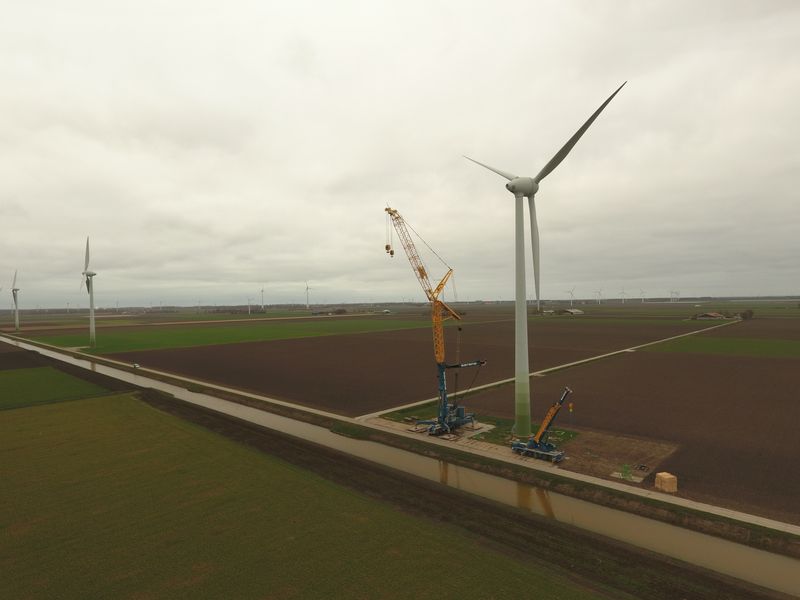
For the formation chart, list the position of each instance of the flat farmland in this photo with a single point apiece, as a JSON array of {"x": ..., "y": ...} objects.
[
  {"x": 178, "y": 335},
  {"x": 111, "y": 498},
  {"x": 733, "y": 414},
  {"x": 357, "y": 374}
]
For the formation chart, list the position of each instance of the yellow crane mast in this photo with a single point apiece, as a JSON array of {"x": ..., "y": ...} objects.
[{"x": 449, "y": 418}]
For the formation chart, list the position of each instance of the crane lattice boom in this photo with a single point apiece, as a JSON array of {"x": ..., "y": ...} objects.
[{"x": 440, "y": 311}]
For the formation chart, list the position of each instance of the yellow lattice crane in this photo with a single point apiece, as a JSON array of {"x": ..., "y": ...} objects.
[{"x": 449, "y": 417}]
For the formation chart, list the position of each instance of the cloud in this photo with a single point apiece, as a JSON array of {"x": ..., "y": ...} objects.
[{"x": 209, "y": 150}]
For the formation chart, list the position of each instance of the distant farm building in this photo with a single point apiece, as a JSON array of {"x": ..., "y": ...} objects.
[{"x": 709, "y": 316}]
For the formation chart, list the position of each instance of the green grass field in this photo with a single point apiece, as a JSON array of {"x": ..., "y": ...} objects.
[
  {"x": 185, "y": 336},
  {"x": 41, "y": 385},
  {"x": 110, "y": 498},
  {"x": 698, "y": 344}
]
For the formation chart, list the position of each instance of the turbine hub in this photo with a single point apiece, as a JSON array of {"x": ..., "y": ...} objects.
[{"x": 522, "y": 186}]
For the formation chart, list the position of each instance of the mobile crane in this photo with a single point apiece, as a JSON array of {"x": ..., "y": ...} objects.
[
  {"x": 449, "y": 417},
  {"x": 537, "y": 445}
]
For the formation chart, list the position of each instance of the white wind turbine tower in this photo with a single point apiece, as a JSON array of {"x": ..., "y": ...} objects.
[
  {"x": 262, "y": 298},
  {"x": 308, "y": 306},
  {"x": 14, "y": 293},
  {"x": 599, "y": 295},
  {"x": 523, "y": 187},
  {"x": 622, "y": 295},
  {"x": 642, "y": 293},
  {"x": 87, "y": 280},
  {"x": 571, "y": 296}
]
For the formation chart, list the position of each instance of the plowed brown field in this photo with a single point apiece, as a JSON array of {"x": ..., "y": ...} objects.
[
  {"x": 735, "y": 419},
  {"x": 361, "y": 373}
]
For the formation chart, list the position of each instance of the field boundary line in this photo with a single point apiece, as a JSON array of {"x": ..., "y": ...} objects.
[{"x": 542, "y": 373}]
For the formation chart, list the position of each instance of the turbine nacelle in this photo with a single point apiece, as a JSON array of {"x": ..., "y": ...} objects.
[{"x": 523, "y": 186}]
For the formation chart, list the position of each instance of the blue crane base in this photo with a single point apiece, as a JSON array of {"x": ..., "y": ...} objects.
[
  {"x": 449, "y": 417},
  {"x": 543, "y": 451},
  {"x": 453, "y": 418}
]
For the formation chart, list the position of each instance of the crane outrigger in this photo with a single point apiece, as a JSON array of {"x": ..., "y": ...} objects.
[{"x": 449, "y": 417}]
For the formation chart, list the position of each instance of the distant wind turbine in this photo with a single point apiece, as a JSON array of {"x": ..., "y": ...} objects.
[
  {"x": 14, "y": 293},
  {"x": 523, "y": 187},
  {"x": 571, "y": 296},
  {"x": 262, "y": 299},
  {"x": 599, "y": 295},
  {"x": 86, "y": 280},
  {"x": 622, "y": 295},
  {"x": 308, "y": 306},
  {"x": 642, "y": 292}
]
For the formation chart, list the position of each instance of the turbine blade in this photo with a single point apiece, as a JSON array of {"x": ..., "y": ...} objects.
[
  {"x": 14, "y": 282},
  {"x": 86, "y": 262},
  {"x": 534, "y": 244},
  {"x": 505, "y": 174},
  {"x": 562, "y": 154}
]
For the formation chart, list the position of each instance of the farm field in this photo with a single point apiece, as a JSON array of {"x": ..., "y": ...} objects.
[
  {"x": 357, "y": 374},
  {"x": 118, "y": 339},
  {"x": 712, "y": 394},
  {"x": 23, "y": 387},
  {"x": 109, "y": 497},
  {"x": 733, "y": 415},
  {"x": 135, "y": 495}
]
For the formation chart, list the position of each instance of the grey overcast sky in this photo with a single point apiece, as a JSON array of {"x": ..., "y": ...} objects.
[{"x": 210, "y": 148}]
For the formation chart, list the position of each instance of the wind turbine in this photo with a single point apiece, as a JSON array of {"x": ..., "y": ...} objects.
[
  {"x": 642, "y": 292},
  {"x": 14, "y": 292},
  {"x": 523, "y": 187},
  {"x": 599, "y": 295},
  {"x": 87, "y": 280},
  {"x": 262, "y": 299},
  {"x": 571, "y": 296},
  {"x": 622, "y": 295},
  {"x": 308, "y": 306}
]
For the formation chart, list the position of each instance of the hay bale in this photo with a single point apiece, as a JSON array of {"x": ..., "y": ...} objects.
[{"x": 666, "y": 482}]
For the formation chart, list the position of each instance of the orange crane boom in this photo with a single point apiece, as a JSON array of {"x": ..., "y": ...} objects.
[{"x": 440, "y": 311}]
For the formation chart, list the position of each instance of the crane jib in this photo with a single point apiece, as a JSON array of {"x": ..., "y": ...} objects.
[{"x": 474, "y": 363}]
